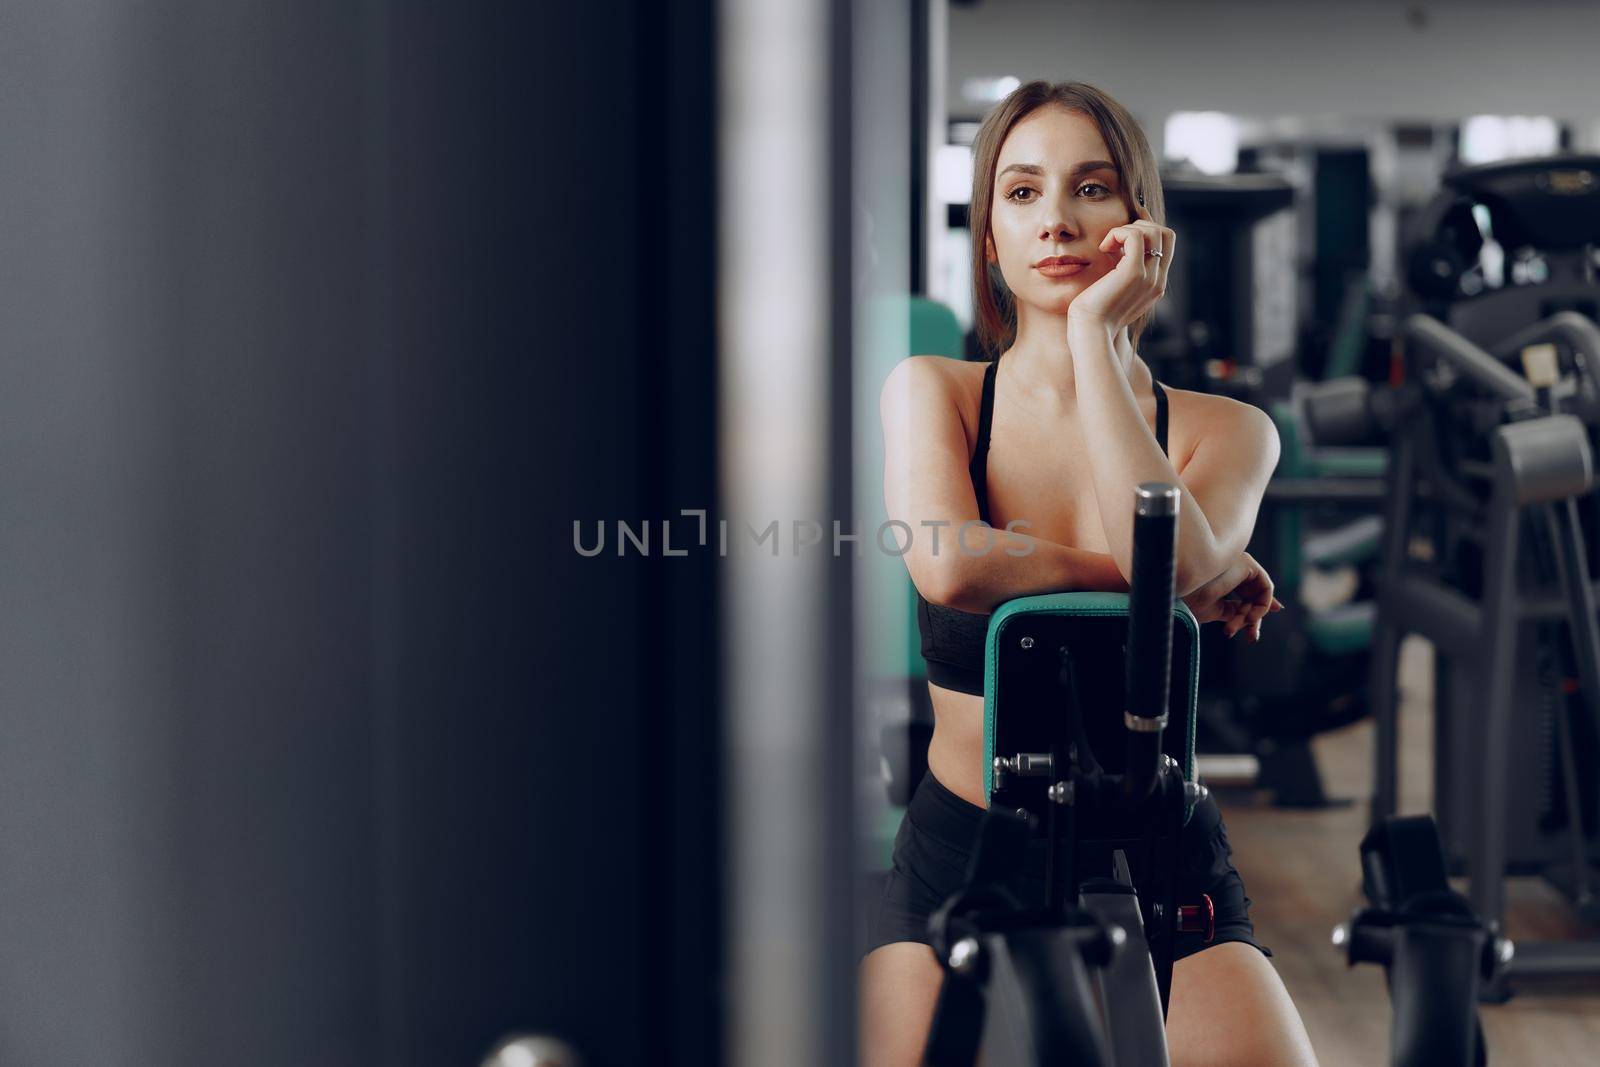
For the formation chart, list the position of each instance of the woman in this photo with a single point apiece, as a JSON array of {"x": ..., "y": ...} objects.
[{"x": 1051, "y": 438}]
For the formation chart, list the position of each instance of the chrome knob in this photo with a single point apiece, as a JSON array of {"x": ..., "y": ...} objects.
[{"x": 964, "y": 955}]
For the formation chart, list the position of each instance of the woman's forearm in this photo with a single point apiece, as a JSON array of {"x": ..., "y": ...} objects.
[
  {"x": 1126, "y": 455},
  {"x": 1018, "y": 565},
  {"x": 1220, "y": 584}
]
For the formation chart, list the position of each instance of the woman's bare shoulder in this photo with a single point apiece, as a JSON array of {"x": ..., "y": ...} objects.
[
  {"x": 1213, "y": 409},
  {"x": 957, "y": 372},
  {"x": 1198, "y": 416},
  {"x": 939, "y": 381}
]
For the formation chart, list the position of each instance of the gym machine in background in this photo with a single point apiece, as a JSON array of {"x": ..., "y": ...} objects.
[
  {"x": 1231, "y": 324},
  {"x": 1227, "y": 322},
  {"x": 1436, "y": 952},
  {"x": 1489, "y": 542}
]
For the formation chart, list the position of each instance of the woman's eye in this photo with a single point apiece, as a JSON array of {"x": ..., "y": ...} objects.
[{"x": 1088, "y": 190}]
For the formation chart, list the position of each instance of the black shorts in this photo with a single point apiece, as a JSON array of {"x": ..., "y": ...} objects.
[{"x": 930, "y": 863}]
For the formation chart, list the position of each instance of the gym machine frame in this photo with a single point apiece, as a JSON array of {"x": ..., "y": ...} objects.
[
  {"x": 1090, "y": 984},
  {"x": 1541, "y": 463},
  {"x": 1435, "y": 950},
  {"x": 1084, "y": 978}
]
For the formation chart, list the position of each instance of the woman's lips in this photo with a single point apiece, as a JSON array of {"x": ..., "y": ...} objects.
[{"x": 1060, "y": 270}]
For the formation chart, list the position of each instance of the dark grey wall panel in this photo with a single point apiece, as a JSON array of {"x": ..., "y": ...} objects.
[{"x": 318, "y": 326}]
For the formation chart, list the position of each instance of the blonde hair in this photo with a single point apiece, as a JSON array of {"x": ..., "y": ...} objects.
[{"x": 994, "y": 308}]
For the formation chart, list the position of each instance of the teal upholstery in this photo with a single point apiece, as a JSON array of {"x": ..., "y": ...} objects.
[
  {"x": 1346, "y": 462},
  {"x": 1295, "y": 460},
  {"x": 935, "y": 330},
  {"x": 1005, "y": 620},
  {"x": 1344, "y": 629},
  {"x": 1350, "y": 334}
]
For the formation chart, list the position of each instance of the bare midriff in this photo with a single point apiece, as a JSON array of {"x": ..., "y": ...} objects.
[{"x": 955, "y": 755}]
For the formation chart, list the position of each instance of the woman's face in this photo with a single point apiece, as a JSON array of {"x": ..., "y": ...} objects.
[{"x": 1056, "y": 194}]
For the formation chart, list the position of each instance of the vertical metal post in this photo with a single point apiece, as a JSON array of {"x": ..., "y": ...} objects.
[
  {"x": 834, "y": 982},
  {"x": 1572, "y": 575},
  {"x": 784, "y": 412},
  {"x": 1501, "y": 623},
  {"x": 1384, "y": 680},
  {"x": 920, "y": 173},
  {"x": 1572, "y": 563}
]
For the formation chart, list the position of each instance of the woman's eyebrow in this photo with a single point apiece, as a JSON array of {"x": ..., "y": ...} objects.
[{"x": 1081, "y": 168}]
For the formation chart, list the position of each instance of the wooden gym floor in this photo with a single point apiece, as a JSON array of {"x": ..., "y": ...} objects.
[{"x": 1303, "y": 874}]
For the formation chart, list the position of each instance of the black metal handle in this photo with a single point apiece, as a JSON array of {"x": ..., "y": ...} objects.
[{"x": 1155, "y": 538}]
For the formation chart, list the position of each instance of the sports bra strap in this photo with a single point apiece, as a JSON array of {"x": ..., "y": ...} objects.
[
  {"x": 1161, "y": 414},
  {"x": 980, "y": 454}
]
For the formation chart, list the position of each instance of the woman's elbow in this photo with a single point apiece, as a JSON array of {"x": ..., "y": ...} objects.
[
  {"x": 1192, "y": 572},
  {"x": 1186, "y": 582},
  {"x": 1188, "y": 573},
  {"x": 1125, "y": 568},
  {"x": 942, "y": 581}
]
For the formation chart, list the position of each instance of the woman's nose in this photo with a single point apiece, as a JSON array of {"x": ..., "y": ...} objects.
[
  {"x": 1061, "y": 227},
  {"x": 1060, "y": 231}
]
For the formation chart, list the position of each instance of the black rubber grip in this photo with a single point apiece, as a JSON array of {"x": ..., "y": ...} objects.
[{"x": 1155, "y": 531}]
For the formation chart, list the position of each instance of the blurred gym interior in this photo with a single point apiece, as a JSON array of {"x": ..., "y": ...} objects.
[{"x": 336, "y": 335}]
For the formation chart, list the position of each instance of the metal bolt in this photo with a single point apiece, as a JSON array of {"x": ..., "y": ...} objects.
[
  {"x": 1026, "y": 764},
  {"x": 1027, "y": 642},
  {"x": 1031, "y": 764},
  {"x": 1023, "y": 812},
  {"x": 1117, "y": 934},
  {"x": 1341, "y": 934},
  {"x": 1195, "y": 792},
  {"x": 1504, "y": 950},
  {"x": 1061, "y": 792}
]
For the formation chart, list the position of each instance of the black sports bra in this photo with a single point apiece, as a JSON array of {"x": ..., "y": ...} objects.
[{"x": 952, "y": 640}]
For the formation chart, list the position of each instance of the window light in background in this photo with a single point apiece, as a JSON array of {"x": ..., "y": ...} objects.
[
  {"x": 1486, "y": 138},
  {"x": 989, "y": 90},
  {"x": 952, "y": 174},
  {"x": 1208, "y": 139},
  {"x": 948, "y": 280},
  {"x": 966, "y": 133}
]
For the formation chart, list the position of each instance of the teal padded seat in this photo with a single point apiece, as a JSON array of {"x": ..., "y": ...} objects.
[
  {"x": 1022, "y": 679},
  {"x": 1357, "y": 543},
  {"x": 1344, "y": 629},
  {"x": 1346, "y": 462},
  {"x": 935, "y": 330}
]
